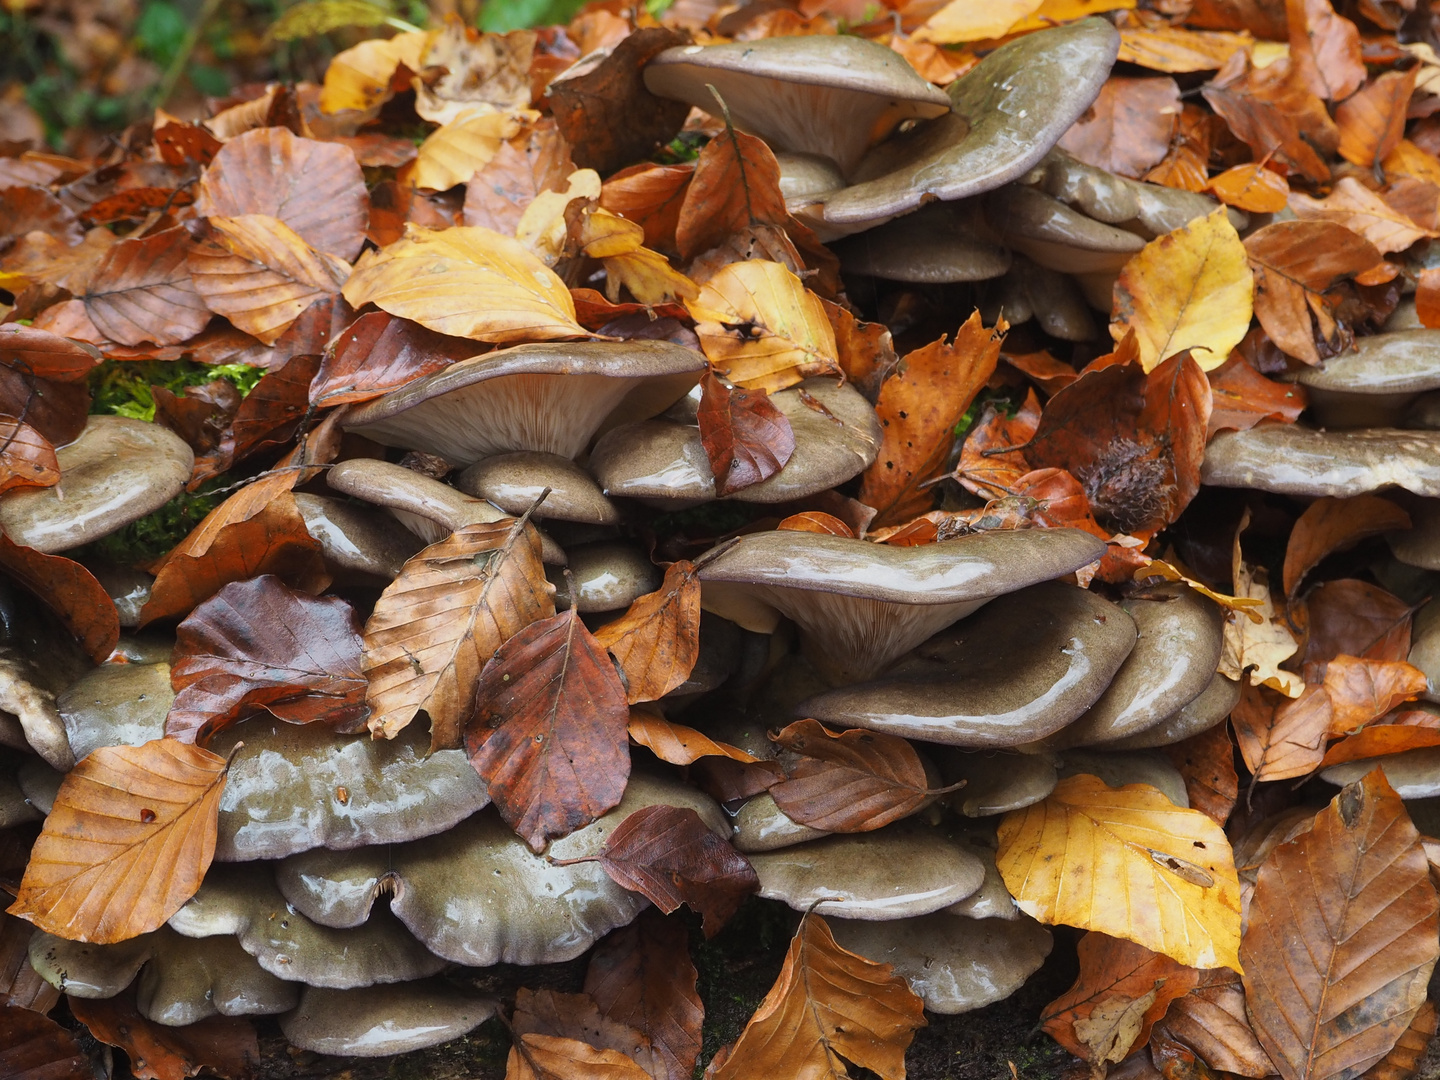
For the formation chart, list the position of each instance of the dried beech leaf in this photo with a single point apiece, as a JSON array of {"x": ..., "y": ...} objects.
[
  {"x": 71, "y": 591},
  {"x": 676, "y": 743},
  {"x": 651, "y": 196},
  {"x": 1362, "y": 690},
  {"x": 657, "y": 641},
  {"x": 1252, "y": 188},
  {"x": 537, "y": 160},
  {"x": 1127, "y": 129},
  {"x": 855, "y": 781},
  {"x": 1242, "y": 397},
  {"x": 142, "y": 291},
  {"x": 1330, "y": 524},
  {"x": 553, "y": 1057},
  {"x": 1210, "y": 1020},
  {"x": 361, "y": 77},
  {"x": 1363, "y": 211},
  {"x": 456, "y": 150},
  {"x": 1404, "y": 1060},
  {"x": 1206, "y": 763},
  {"x": 224, "y": 1045},
  {"x": 1372, "y": 121},
  {"x": 746, "y": 438},
  {"x": 37, "y": 1048},
  {"x": 378, "y": 353}
]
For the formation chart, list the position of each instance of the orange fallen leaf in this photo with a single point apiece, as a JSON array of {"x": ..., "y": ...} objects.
[
  {"x": 225, "y": 1045},
  {"x": 676, "y": 743},
  {"x": 1372, "y": 120},
  {"x": 1127, "y": 129},
  {"x": 657, "y": 641},
  {"x": 1363, "y": 211},
  {"x": 1329, "y": 525},
  {"x": 1252, "y": 188}
]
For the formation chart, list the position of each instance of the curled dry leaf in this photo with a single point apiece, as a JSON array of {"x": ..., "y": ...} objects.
[
  {"x": 657, "y": 641},
  {"x": 459, "y": 148},
  {"x": 71, "y": 591},
  {"x": 1326, "y": 49},
  {"x": 1129, "y": 863},
  {"x": 1362, "y": 690},
  {"x": 363, "y": 76},
  {"x": 131, "y": 834},
  {"x": 1253, "y": 650},
  {"x": 438, "y": 623},
  {"x": 993, "y": 457},
  {"x": 1329, "y": 524},
  {"x": 827, "y": 1007},
  {"x": 142, "y": 291},
  {"x": 817, "y": 522},
  {"x": 553, "y": 1057},
  {"x": 736, "y": 186},
  {"x": 378, "y": 353},
  {"x": 224, "y": 1045},
  {"x": 258, "y": 645},
  {"x": 1378, "y": 740},
  {"x": 1353, "y": 618},
  {"x": 676, "y": 743},
  {"x": 578, "y": 1018},
  {"x": 1273, "y": 112},
  {"x": 548, "y": 734},
  {"x": 1210, "y": 1021},
  {"x": 1366, "y": 928},
  {"x": 268, "y": 416},
  {"x": 537, "y": 160},
  {"x": 651, "y": 196},
  {"x": 1279, "y": 737},
  {"x": 746, "y": 438},
  {"x": 855, "y": 781}
]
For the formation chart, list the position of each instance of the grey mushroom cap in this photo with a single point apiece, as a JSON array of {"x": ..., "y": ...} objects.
[
  {"x": 116, "y": 705},
  {"x": 1006, "y": 112},
  {"x": 116, "y": 472},
  {"x": 15, "y": 808},
  {"x": 1208, "y": 708},
  {"x": 1292, "y": 460},
  {"x": 27, "y": 705},
  {"x": 478, "y": 895},
  {"x": 358, "y": 543},
  {"x": 1149, "y": 209},
  {"x": 291, "y": 788},
  {"x": 1053, "y": 299},
  {"x": 381, "y": 1020},
  {"x": 937, "y": 244},
  {"x": 859, "y": 605},
  {"x": 514, "y": 481},
  {"x": 1418, "y": 545},
  {"x": 832, "y": 96},
  {"x": 996, "y": 781},
  {"x": 39, "y": 783},
  {"x": 760, "y": 825},
  {"x": 1414, "y": 774},
  {"x": 607, "y": 576},
  {"x": 1425, "y": 647},
  {"x": 552, "y": 397},
  {"x": 1121, "y": 767},
  {"x": 1057, "y": 237},
  {"x": 129, "y": 590},
  {"x": 1173, "y": 661},
  {"x": 1403, "y": 362},
  {"x": 664, "y": 462},
  {"x": 992, "y": 900},
  {"x": 1016, "y": 672},
  {"x": 243, "y": 901},
  {"x": 954, "y": 964},
  {"x": 891, "y": 873}
]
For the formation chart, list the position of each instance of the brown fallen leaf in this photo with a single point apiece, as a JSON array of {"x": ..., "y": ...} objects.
[
  {"x": 1378, "y": 740},
  {"x": 1241, "y": 397},
  {"x": 1329, "y": 525},
  {"x": 1280, "y": 737},
  {"x": 131, "y": 834},
  {"x": 548, "y": 732},
  {"x": 1127, "y": 129},
  {"x": 142, "y": 291},
  {"x": 1325, "y": 49},
  {"x": 1372, "y": 121},
  {"x": 441, "y": 620},
  {"x": 224, "y": 1045},
  {"x": 1206, "y": 762},
  {"x": 1252, "y": 188},
  {"x": 378, "y": 353},
  {"x": 578, "y": 1018},
  {"x": 258, "y": 645},
  {"x": 553, "y": 1057},
  {"x": 657, "y": 641},
  {"x": 1404, "y": 1059},
  {"x": 38, "y": 1048},
  {"x": 71, "y": 591},
  {"x": 365, "y": 75},
  {"x": 1362, "y": 690},
  {"x": 746, "y": 438},
  {"x": 817, "y": 522},
  {"x": 676, "y": 743},
  {"x": 460, "y": 147},
  {"x": 992, "y": 460},
  {"x": 919, "y": 407},
  {"x": 536, "y": 160},
  {"x": 828, "y": 1007},
  {"x": 1350, "y": 617},
  {"x": 651, "y": 196},
  {"x": 269, "y": 416},
  {"x": 736, "y": 186},
  {"x": 1210, "y": 1020},
  {"x": 1363, "y": 211},
  {"x": 1273, "y": 111},
  {"x": 1336, "y": 962}
]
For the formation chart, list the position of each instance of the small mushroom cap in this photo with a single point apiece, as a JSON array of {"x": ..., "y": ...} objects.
[
  {"x": 514, "y": 481},
  {"x": 891, "y": 873},
  {"x": 1174, "y": 660},
  {"x": 1210, "y": 707},
  {"x": 1018, "y": 671},
  {"x": 291, "y": 788},
  {"x": 1028, "y": 290},
  {"x": 1414, "y": 774},
  {"x": 1404, "y": 317},
  {"x": 357, "y": 542},
  {"x": 954, "y": 964},
  {"x": 129, "y": 590},
  {"x": 937, "y": 244},
  {"x": 39, "y": 783},
  {"x": 719, "y": 657},
  {"x": 996, "y": 781},
  {"x": 1406, "y": 361},
  {"x": 1056, "y": 236},
  {"x": 859, "y": 605},
  {"x": 992, "y": 900},
  {"x": 805, "y": 176},
  {"x": 1334, "y": 409},
  {"x": 1120, "y": 767},
  {"x": 240, "y": 901},
  {"x": 23, "y": 697},
  {"x": 607, "y": 576},
  {"x": 761, "y": 825},
  {"x": 833, "y": 96},
  {"x": 116, "y": 705},
  {"x": 117, "y": 471},
  {"x": 1006, "y": 112},
  {"x": 1292, "y": 460},
  {"x": 15, "y": 809},
  {"x": 664, "y": 460},
  {"x": 377, "y": 1021},
  {"x": 552, "y": 397},
  {"x": 1094, "y": 192}
]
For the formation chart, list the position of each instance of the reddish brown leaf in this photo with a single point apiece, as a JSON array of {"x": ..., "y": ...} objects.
[
  {"x": 1207, "y": 764},
  {"x": 548, "y": 732},
  {"x": 1252, "y": 188},
  {"x": 1354, "y": 618},
  {"x": 1273, "y": 111},
  {"x": 538, "y": 160},
  {"x": 1372, "y": 121},
  {"x": 1330, "y": 525},
  {"x": 1210, "y": 1021},
  {"x": 28, "y": 350},
  {"x": 258, "y": 645},
  {"x": 141, "y": 291},
  {"x": 26, "y": 458},
  {"x": 225, "y": 1045},
  {"x": 657, "y": 641},
  {"x": 1404, "y": 1060},
  {"x": 29, "y": 208},
  {"x": 864, "y": 349},
  {"x": 179, "y": 143},
  {"x": 736, "y": 186},
  {"x": 1282, "y": 737},
  {"x": 20, "y": 984},
  {"x": 1243, "y": 397},
  {"x": 69, "y": 590},
  {"x": 988, "y": 465},
  {"x": 855, "y": 781},
  {"x": 746, "y": 438},
  {"x": 1378, "y": 740},
  {"x": 651, "y": 196},
  {"x": 566, "y": 1037},
  {"x": 268, "y": 416},
  {"x": 379, "y": 353},
  {"x": 200, "y": 415},
  {"x": 1363, "y": 690},
  {"x": 1324, "y": 48},
  {"x": 1127, "y": 129},
  {"x": 816, "y": 522},
  {"x": 37, "y": 1048}
]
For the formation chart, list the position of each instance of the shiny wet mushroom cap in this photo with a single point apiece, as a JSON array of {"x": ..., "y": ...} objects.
[
  {"x": 1293, "y": 460},
  {"x": 1057, "y": 237},
  {"x": 831, "y": 96},
  {"x": 1208, "y": 708},
  {"x": 1374, "y": 383},
  {"x": 996, "y": 781},
  {"x": 116, "y": 705},
  {"x": 359, "y": 543},
  {"x": 607, "y": 576},
  {"x": 859, "y": 604},
  {"x": 514, "y": 481},
  {"x": 1414, "y": 774},
  {"x": 1119, "y": 768},
  {"x": 551, "y": 397},
  {"x": 937, "y": 244},
  {"x": 1019, "y": 670},
  {"x": 377, "y": 1021},
  {"x": 116, "y": 472}
]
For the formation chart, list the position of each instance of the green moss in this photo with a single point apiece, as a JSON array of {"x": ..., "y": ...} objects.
[
  {"x": 684, "y": 147},
  {"x": 122, "y": 387}
]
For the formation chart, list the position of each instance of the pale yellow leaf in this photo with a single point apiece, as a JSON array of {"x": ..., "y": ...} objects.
[
  {"x": 458, "y": 150},
  {"x": 965, "y": 20},
  {"x": 542, "y": 224},
  {"x": 1245, "y": 605},
  {"x": 359, "y": 77},
  {"x": 1260, "y": 646}
]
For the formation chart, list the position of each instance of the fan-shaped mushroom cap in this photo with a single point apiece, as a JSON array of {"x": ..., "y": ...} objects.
[
  {"x": 992, "y": 900},
  {"x": 936, "y": 244},
  {"x": 996, "y": 781},
  {"x": 118, "y": 470},
  {"x": 1149, "y": 209},
  {"x": 954, "y": 964},
  {"x": 1174, "y": 660},
  {"x": 514, "y": 481},
  {"x": 1056, "y": 236},
  {"x": 607, "y": 576},
  {"x": 1418, "y": 545},
  {"x": 26, "y": 704},
  {"x": 478, "y": 895},
  {"x": 357, "y": 542},
  {"x": 238, "y": 901},
  {"x": 1210, "y": 707},
  {"x": 859, "y": 605},
  {"x": 1414, "y": 774},
  {"x": 803, "y": 177},
  {"x": 39, "y": 783},
  {"x": 116, "y": 705},
  {"x": 1294, "y": 460},
  {"x": 377, "y": 1021},
  {"x": 181, "y": 981},
  {"x": 891, "y": 873},
  {"x": 1053, "y": 299},
  {"x": 1373, "y": 384},
  {"x": 1005, "y": 113},
  {"x": 552, "y": 397},
  {"x": 1120, "y": 767},
  {"x": 428, "y": 508},
  {"x": 1425, "y": 647},
  {"x": 760, "y": 825},
  {"x": 833, "y": 96},
  {"x": 664, "y": 462},
  {"x": 1018, "y": 671},
  {"x": 291, "y": 788}
]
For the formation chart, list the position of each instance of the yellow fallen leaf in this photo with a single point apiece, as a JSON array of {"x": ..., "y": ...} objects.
[
  {"x": 1129, "y": 863},
  {"x": 604, "y": 235},
  {"x": 541, "y": 227},
  {"x": 1245, "y": 605},
  {"x": 762, "y": 328},
  {"x": 359, "y": 77},
  {"x": 466, "y": 282},
  {"x": 1407, "y": 159},
  {"x": 458, "y": 150},
  {"x": 1175, "y": 50},
  {"x": 1189, "y": 289},
  {"x": 1260, "y": 646},
  {"x": 1053, "y": 12},
  {"x": 965, "y": 20},
  {"x": 649, "y": 277}
]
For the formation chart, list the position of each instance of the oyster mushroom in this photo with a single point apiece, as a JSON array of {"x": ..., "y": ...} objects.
[
  {"x": 831, "y": 96},
  {"x": 514, "y": 481},
  {"x": 607, "y": 576},
  {"x": 15, "y": 808},
  {"x": 936, "y": 245},
  {"x": 129, "y": 590},
  {"x": 992, "y": 900},
  {"x": 664, "y": 463},
  {"x": 1020, "y": 670},
  {"x": 1147, "y": 209},
  {"x": 859, "y": 605},
  {"x": 1414, "y": 774},
  {"x": 1201, "y": 713},
  {"x": 358, "y": 544},
  {"x": 1425, "y": 647},
  {"x": 1118, "y": 768},
  {"x": 1294, "y": 460},
  {"x": 1418, "y": 545},
  {"x": 954, "y": 964},
  {"x": 550, "y": 397},
  {"x": 29, "y": 719},
  {"x": 1058, "y": 237},
  {"x": 996, "y": 781},
  {"x": 116, "y": 705},
  {"x": 1373, "y": 384},
  {"x": 380, "y": 1020},
  {"x": 478, "y": 895},
  {"x": 117, "y": 471},
  {"x": 1053, "y": 299}
]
